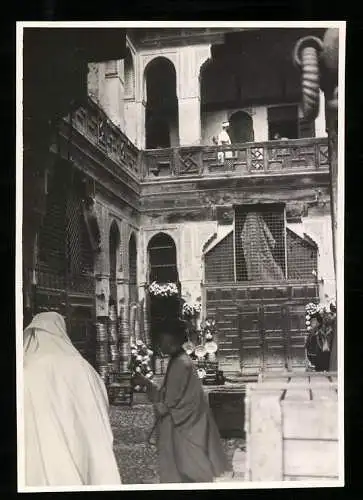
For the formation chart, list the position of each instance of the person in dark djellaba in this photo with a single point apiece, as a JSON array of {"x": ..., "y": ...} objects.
[{"x": 188, "y": 441}]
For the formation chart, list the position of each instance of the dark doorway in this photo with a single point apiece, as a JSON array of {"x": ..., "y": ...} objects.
[
  {"x": 162, "y": 269},
  {"x": 161, "y": 124},
  {"x": 158, "y": 131},
  {"x": 162, "y": 259},
  {"x": 241, "y": 127}
]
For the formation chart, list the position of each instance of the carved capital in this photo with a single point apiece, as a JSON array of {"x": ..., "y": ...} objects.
[
  {"x": 225, "y": 215},
  {"x": 295, "y": 211}
]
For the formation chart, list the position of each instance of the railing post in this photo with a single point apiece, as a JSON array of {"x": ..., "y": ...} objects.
[
  {"x": 248, "y": 159},
  {"x": 200, "y": 161},
  {"x": 175, "y": 164},
  {"x": 265, "y": 157},
  {"x": 317, "y": 155}
]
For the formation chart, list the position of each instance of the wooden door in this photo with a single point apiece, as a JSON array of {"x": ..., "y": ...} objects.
[
  {"x": 271, "y": 338},
  {"x": 250, "y": 319},
  {"x": 296, "y": 337},
  {"x": 274, "y": 337}
]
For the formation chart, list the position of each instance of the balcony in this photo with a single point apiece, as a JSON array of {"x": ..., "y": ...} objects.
[
  {"x": 263, "y": 158},
  {"x": 92, "y": 123}
]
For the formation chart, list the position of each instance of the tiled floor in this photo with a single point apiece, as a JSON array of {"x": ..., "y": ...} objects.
[{"x": 137, "y": 460}]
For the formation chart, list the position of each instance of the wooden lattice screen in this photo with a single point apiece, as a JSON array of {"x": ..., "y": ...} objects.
[
  {"x": 272, "y": 218},
  {"x": 65, "y": 280},
  {"x": 302, "y": 257},
  {"x": 219, "y": 262},
  {"x": 295, "y": 256},
  {"x": 52, "y": 233}
]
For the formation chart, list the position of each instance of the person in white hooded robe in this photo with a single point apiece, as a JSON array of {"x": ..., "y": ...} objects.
[
  {"x": 68, "y": 437},
  {"x": 224, "y": 140}
]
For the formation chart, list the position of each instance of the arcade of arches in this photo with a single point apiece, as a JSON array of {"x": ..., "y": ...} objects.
[{"x": 188, "y": 107}]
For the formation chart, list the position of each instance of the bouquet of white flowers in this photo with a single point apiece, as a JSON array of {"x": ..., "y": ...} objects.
[
  {"x": 209, "y": 329},
  {"x": 140, "y": 361},
  {"x": 191, "y": 310},
  {"x": 163, "y": 290}
]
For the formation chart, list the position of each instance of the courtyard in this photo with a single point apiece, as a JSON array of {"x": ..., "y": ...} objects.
[
  {"x": 178, "y": 174},
  {"x": 137, "y": 459}
]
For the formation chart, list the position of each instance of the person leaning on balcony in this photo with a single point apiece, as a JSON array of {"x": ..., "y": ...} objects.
[
  {"x": 224, "y": 140},
  {"x": 68, "y": 436},
  {"x": 188, "y": 441}
]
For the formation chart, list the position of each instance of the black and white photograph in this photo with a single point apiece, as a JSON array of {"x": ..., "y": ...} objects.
[{"x": 180, "y": 255}]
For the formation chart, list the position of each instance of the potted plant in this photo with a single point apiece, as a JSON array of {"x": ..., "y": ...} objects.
[
  {"x": 320, "y": 323},
  {"x": 140, "y": 362}
]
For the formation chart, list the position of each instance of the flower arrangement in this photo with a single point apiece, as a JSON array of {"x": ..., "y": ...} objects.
[
  {"x": 163, "y": 290},
  {"x": 322, "y": 312},
  {"x": 208, "y": 329},
  {"x": 140, "y": 361},
  {"x": 320, "y": 324},
  {"x": 191, "y": 310}
]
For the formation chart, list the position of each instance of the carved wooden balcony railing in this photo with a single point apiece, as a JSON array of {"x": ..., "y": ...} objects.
[
  {"x": 283, "y": 156},
  {"x": 93, "y": 124}
]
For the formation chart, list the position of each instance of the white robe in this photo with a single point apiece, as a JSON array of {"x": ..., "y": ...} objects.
[
  {"x": 224, "y": 140},
  {"x": 68, "y": 437}
]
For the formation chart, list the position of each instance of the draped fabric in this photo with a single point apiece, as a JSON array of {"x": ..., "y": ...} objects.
[
  {"x": 190, "y": 448},
  {"x": 258, "y": 244},
  {"x": 68, "y": 437}
]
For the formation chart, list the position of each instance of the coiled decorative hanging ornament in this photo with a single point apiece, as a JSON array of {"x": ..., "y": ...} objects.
[{"x": 306, "y": 57}]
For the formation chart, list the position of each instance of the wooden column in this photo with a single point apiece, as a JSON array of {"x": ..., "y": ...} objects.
[
  {"x": 329, "y": 81},
  {"x": 332, "y": 129}
]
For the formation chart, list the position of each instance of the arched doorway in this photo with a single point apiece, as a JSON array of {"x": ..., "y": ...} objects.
[
  {"x": 162, "y": 259},
  {"x": 162, "y": 269},
  {"x": 241, "y": 127},
  {"x": 218, "y": 92},
  {"x": 161, "y": 123},
  {"x": 114, "y": 244},
  {"x": 133, "y": 292}
]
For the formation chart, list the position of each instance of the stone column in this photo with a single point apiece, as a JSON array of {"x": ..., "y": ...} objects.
[
  {"x": 131, "y": 121},
  {"x": 188, "y": 90},
  {"x": 102, "y": 294},
  {"x": 114, "y": 92},
  {"x": 320, "y": 122},
  {"x": 102, "y": 264},
  {"x": 122, "y": 292},
  {"x": 189, "y": 121},
  {"x": 140, "y": 115},
  {"x": 144, "y": 303}
]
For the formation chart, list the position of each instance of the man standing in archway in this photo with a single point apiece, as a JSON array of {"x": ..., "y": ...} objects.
[{"x": 224, "y": 140}]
